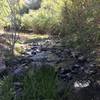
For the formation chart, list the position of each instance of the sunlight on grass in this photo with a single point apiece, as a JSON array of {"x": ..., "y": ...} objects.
[
  {"x": 20, "y": 46},
  {"x": 38, "y": 36},
  {"x": 25, "y": 37}
]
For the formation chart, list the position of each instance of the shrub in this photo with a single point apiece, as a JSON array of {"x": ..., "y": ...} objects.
[
  {"x": 40, "y": 23},
  {"x": 26, "y": 22},
  {"x": 43, "y": 20},
  {"x": 79, "y": 28}
]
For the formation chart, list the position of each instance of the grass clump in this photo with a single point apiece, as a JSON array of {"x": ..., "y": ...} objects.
[
  {"x": 36, "y": 85},
  {"x": 39, "y": 85},
  {"x": 6, "y": 89}
]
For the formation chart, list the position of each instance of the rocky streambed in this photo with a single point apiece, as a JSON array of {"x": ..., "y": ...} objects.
[{"x": 71, "y": 67}]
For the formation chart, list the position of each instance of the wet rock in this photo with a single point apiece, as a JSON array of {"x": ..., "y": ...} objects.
[
  {"x": 40, "y": 57},
  {"x": 29, "y": 52},
  {"x": 64, "y": 71},
  {"x": 68, "y": 51},
  {"x": 75, "y": 69},
  {"x": 91, "y": 71},
  {"x": 92, "y": 65},
  {"x": 77, "y": 66},
  {"x": 81, "y": 60},
  {"x": 34, "y": 52},
  {"x": 64, "y": 74}
]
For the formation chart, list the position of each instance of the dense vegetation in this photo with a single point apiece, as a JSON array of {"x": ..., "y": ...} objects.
[{"x": 74, "y": 24}]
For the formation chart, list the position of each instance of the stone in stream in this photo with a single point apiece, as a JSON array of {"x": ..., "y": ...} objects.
[
  {"x": 64, "y": 74},
  {"x": 39, "y": 57},
  {"x": 92, "y": 65},
  {"x": 81, "y": 60},
  {"x": 90, "y": 71},
  {"x": 75, "y": 69},
  {"x": 34, "y": 50},
  {"x": 34, "y": 53},
  {"x": 64, "y": 71},
  {"x": 67, "y": 51},
  {"x": 29, "y": 52},
  {"x": 76, "y": 66},
  {"x": 45, "y": 56}
]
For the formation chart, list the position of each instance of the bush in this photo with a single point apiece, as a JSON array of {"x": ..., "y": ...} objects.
[
  {"x": 42, "y": 20},
  {"x": 79, "y": 27},
  {"x": 39, "y": 22},
  {"x": 26, "y": 22}
]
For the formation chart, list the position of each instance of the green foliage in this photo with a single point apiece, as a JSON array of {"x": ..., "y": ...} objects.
[
  {"x": 43, "y": 19},
  {"x": 26, "y": 21},
  {"x": 37, "y": 85},
  {"x": 40, "y": 84},
  {"x": 4, "y": 12},
  {"x": 6, "y": 89},
  {"x": 79, "y": 27}
]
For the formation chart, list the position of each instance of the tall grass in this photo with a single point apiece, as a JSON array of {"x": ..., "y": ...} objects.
[
  {"x": 36, "y": 85},
  {"x": 39, "y": 85},
  {"x": 6, "y": 89}
]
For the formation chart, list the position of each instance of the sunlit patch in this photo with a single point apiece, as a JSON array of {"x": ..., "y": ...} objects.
[{"x": 81, "y": 84}]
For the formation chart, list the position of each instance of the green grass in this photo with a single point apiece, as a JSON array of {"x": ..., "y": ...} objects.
[
  {"x": 20, "y": 44},
  {"x": 40, "y": 85},
  {"x": 6, "y": 89},
  {"x": 37, "y": 85}
]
